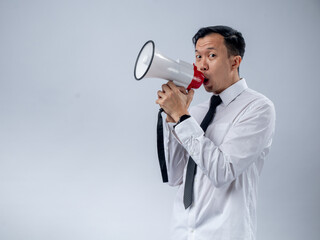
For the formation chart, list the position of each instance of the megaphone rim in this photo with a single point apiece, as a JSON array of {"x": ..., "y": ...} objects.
[{"x": 135, "y": 66}]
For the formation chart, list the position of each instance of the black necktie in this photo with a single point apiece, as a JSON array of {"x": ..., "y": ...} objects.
[
  {"x": 160, "y": 147},
  {"x": 191, "y": 168}
]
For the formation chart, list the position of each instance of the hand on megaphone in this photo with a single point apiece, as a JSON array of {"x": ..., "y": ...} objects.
[{"x": 174, "y": 100}]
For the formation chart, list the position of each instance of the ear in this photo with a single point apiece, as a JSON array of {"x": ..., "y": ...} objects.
[{"x": 236, "y": 60}]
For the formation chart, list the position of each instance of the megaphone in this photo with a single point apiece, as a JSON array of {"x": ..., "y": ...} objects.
[{"x": 151, "y": 63}]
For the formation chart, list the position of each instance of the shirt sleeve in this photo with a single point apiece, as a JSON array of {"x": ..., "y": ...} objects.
[
  {"x": 247, "y": 140},
  {"x": 176, "y": 156}
]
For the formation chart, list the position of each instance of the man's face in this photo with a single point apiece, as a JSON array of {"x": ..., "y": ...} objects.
[{"x": 213, "y": 61}]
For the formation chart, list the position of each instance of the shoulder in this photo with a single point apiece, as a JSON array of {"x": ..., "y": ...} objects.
[
  {"x": 257, "y": 104},
  {"x": 256, "y": 99}
]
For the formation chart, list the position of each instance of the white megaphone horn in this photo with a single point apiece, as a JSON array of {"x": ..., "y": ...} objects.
[{"x": 151, "y": 63}]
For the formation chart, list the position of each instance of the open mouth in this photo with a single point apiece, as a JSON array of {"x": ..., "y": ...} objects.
[{"x": 205, "y": 81}]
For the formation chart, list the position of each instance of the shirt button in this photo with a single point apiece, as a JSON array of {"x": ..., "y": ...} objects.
[{"x": 191, "y": 230}]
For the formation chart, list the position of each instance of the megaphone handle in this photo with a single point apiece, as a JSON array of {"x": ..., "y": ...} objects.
[{"x": 160, "y": 147}]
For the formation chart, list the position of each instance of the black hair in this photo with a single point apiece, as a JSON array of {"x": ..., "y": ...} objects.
[{"x": 232, "y": 38}]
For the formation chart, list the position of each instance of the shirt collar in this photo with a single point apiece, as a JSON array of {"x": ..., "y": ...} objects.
[{"x": 233, "y": 91}]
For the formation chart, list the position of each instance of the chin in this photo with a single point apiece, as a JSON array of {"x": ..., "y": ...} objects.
[{"x": 208, "y": 88}]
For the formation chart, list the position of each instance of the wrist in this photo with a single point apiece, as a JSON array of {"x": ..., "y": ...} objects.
[
  {"x": 182, "y": 118},
  {"x": 176, "y": 117}
]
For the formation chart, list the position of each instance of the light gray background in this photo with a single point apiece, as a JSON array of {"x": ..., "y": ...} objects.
[{"x": 77, "y": 132}]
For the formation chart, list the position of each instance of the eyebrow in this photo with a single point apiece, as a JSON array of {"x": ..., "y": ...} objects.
[{"x": 209, "y": 48}]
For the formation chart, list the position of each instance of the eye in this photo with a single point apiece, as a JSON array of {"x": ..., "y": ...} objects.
[
  {"x": 212, "y": 55},
  {"x": 198, "y": 56}
]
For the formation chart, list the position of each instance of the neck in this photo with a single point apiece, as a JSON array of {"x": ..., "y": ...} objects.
[
  {"x": 234, "y": 77},
  {"x": 232, "y": 80}
]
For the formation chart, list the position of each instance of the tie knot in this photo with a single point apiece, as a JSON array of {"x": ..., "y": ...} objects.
[{"x": 215, "y": 101}]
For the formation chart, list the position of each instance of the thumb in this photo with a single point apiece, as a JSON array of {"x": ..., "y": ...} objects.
[
  {"x": 190, "y": 96},
  {"x": 190, "y": 93}
]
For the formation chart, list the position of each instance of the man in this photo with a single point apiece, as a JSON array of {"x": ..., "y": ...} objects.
[{"x": 228, "y": 154}]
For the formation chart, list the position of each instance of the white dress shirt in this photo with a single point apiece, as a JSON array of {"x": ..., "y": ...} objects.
[{"x": 229, "y": 158}]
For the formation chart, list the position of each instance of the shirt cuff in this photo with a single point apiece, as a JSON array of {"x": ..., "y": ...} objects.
[{"x": 188, "y": 130}]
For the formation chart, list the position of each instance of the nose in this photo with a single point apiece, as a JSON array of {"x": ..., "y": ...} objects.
[{"x": 204, "y": 65}]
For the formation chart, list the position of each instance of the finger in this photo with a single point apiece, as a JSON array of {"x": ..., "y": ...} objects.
[
  {"x": 190, "y": 96},
  {"x": 159, "y": 101},
  {"x": 165, "y": 88},
  {"x": 171, "y": 85},
  {"x": 191, "y": 92},
  {"x": 160, "y": 94},
  {"x": 183, "y": 90}
]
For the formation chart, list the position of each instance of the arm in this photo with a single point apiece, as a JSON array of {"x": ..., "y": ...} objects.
[
  {"x": 248, "y": 139},
  {"x": 175, "y": 101},
  {"x": 176, "y": 156}
]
